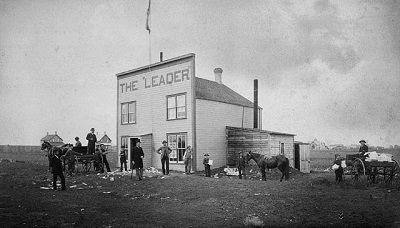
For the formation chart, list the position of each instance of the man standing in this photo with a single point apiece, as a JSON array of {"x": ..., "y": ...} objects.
[
  {"x": 164, "y": 152},
  {"x": 137, "y": 158},
  {"x": 122, "y": 158},
  {"x": 70, "y": 157},
  {"x": 56, "y": 169},
  {"x": 91, "y": 137},
  {"x": 104, "y": 159},
  {"x": 77, "y": 142},
  {"x": 241, "y": 165},
  {"x": 187, "y": 159},
  {"x": 363, "y": 148}
]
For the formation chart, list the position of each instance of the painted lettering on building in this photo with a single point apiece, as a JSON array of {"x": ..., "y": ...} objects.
[{"x": 155, "y": 81}]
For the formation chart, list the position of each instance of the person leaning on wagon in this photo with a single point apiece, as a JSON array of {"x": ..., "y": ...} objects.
[
  {"x": 363, "y": 148},
  {"x": 97, "y": 158},
  {"x": 77, "y": 142},
  {"x": 104, "y": 158},
  {"x": 164, "y": 152},
  {"x": 70, "y": 157},
  {"x": 91, "y": 137}
]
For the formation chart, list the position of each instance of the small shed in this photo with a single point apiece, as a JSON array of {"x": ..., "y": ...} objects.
[
  {"x": 302, "y": 156},
  {"x": 53, "y": 139},
  {"x": 265, "y": 142}
]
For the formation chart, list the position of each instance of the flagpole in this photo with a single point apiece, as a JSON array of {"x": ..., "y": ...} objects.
[{"x": 148, "y": 27}]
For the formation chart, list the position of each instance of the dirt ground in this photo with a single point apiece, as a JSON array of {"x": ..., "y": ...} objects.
[{"x": 179, "y": 200}]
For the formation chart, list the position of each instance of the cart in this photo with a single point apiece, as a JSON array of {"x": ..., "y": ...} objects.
[
  {"x": 85, "y": 161},
  {"x": 359, "y": 168}
]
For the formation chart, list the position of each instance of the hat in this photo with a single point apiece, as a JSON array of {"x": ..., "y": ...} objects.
[
  {"x": 76, "y": 138},
  {"x": 92, "y": 129},
  {"x": 362, "y": 141},
  {"x": 102, "y": 144},
  {"x": 138, "y": 141},
  {"x": 164, "y": 142},
  {"x": 206, "y": 155}
]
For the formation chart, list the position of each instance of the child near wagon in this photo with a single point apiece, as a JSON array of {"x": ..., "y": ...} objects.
[
  {"x": 207, "y": 167},
  {"x": 337, "y": 166}
]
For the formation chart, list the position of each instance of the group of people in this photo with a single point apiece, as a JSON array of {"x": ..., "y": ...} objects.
[
  {"x": 97, "y": 150},
  {"x": 338, "y": 161}
]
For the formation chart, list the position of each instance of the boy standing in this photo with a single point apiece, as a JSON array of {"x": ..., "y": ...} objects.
[
  {"x": 207, "y": 168},
  {"x": 56, "y": 169},
  {"x": 241, "y": 165},
  {"x": 164, "y": 152},
  {"x": 339, "y": 170}
]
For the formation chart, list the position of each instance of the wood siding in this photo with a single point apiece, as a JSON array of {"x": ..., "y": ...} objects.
[
  {"x": 151, "y": 108},
  {"x": 211, "y": 120}
]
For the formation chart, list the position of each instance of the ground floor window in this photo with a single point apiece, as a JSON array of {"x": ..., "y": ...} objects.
[{"x": 177, "y": 143}]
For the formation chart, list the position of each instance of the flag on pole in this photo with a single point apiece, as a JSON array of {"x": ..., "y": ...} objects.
[{"x": 148, "y": 16}]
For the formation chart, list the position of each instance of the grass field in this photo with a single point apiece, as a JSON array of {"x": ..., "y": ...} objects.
[{"x": 323, "y": 159}]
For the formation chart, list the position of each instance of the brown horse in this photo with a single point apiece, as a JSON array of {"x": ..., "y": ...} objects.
[{"x": 264, "y": 163}]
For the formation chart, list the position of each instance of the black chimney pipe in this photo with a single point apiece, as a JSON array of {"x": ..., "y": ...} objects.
[
  {"x": 255, "y": 103},
  {"x": 161, "y": 56}
]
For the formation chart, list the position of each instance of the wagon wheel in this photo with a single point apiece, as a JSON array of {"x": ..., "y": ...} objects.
[
  {"x": 393, "y": 172},
  {"x": 357, "y": 169},
  {"x": 86, "y": 165}
]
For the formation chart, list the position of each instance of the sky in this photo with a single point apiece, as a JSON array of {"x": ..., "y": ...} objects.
[{"x": 327, "y": 70}]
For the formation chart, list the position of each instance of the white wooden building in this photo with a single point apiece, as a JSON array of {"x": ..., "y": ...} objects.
[{"x": 166, "y": 101}]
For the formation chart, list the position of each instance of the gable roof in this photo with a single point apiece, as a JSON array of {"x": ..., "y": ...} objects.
[
  {"x": 50, "y": 137},
  {"x": 105, "y": 139},
  {"x": 213, "y": 91}
]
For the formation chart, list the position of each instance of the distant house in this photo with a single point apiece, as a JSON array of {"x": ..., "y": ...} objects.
[
  {"x": 54, "y": 140},
  {"x": 318, "y": 145},
  {"x": 105, "y": 140}
]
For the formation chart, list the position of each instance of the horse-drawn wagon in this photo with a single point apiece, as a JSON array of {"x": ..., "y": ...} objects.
[
  {"x": 379, "y": 168},
  {"x": 85, "y": 161}
]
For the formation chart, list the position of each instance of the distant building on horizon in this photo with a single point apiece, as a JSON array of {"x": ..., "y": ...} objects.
[
  {"x": 318, "y": 145},
  {"x": 54, "y": 140}
]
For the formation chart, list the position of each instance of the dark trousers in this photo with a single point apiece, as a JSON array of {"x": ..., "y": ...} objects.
[
  {"x": 71, "y": 167},
  {"x": 139, "y": 173},
  {"x": 339, "y": 174},
  {"x": 61, "y": 175},
  {"x": 241, "y": 170},
  {"x": 122, "y": 159},
  {"x": 105, "y": 163},
  {"x": 207, "y": 170},
  {"x": 90, "y": 150},
  {"x": 165, "y": 165}
]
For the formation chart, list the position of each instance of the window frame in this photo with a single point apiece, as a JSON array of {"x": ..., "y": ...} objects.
[
  {"x": 179, "y": 150},
  {"x": 175, "y": 96},
  {"x": 128, "y": 113}
]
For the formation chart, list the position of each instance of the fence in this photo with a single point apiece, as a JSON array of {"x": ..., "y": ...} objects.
[{"x": 34, "y": 154}]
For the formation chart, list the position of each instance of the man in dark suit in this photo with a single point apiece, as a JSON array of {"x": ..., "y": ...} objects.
[
  {"x": 137, "y": 159},
  {"x": 363, "y": 148},
  {"x": 91, "y": 137},
  {"x": 56, "y": 169}
]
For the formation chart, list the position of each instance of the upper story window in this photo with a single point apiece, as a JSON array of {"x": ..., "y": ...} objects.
[
  {"x": 128, "y": 112},
  {"x": 176, "y": 106}
]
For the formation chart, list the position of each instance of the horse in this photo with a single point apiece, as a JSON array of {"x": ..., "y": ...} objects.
[
  {"x": 52, "y": 150},
  {"x": 264, "y": 163}
]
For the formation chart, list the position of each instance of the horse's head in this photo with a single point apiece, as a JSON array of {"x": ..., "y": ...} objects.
[
  {"x": 46, "y": 145},
  {"x": 247, "y": 156}
]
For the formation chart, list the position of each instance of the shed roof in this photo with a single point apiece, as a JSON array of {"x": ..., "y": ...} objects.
[
  {"x": 213, "y": 91},
  {"x": 50, "y": 137}
]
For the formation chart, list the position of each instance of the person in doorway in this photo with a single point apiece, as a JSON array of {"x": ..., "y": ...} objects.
[
  {"x": 137, "y": 159},
  {"x": 187, "y": 159},
  {"x": 207, "y": 167},
  {"x": 363, "y": 148},
  {"x": 122, "y": 159},
  {"x": 104, "y": 153},
  {"x": 91, "y": 137},
  {"x": 70, "y": 158},
  {"x": 56, "y": 169},
  {"x": 164, "y": 152},
  {"x": 77, "y": 142},
  {"x": 338, "y": 168},
  {"x": 240, "y": 164}
]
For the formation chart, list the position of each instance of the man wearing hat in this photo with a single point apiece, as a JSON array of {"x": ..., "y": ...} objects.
[
  {"x": 164, "y": 152},
  {"x": 77, "y": 142},
  {"x": 137, "y": 160},
  {"x": 363, "y": 148},
  {"x": 207, "y": 168},
  {"x": 91, "y": 137}
]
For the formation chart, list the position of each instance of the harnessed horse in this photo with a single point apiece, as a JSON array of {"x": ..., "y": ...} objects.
[
  {"x": 279, "y": 161},
  {"x": 51, "y": 150}
]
